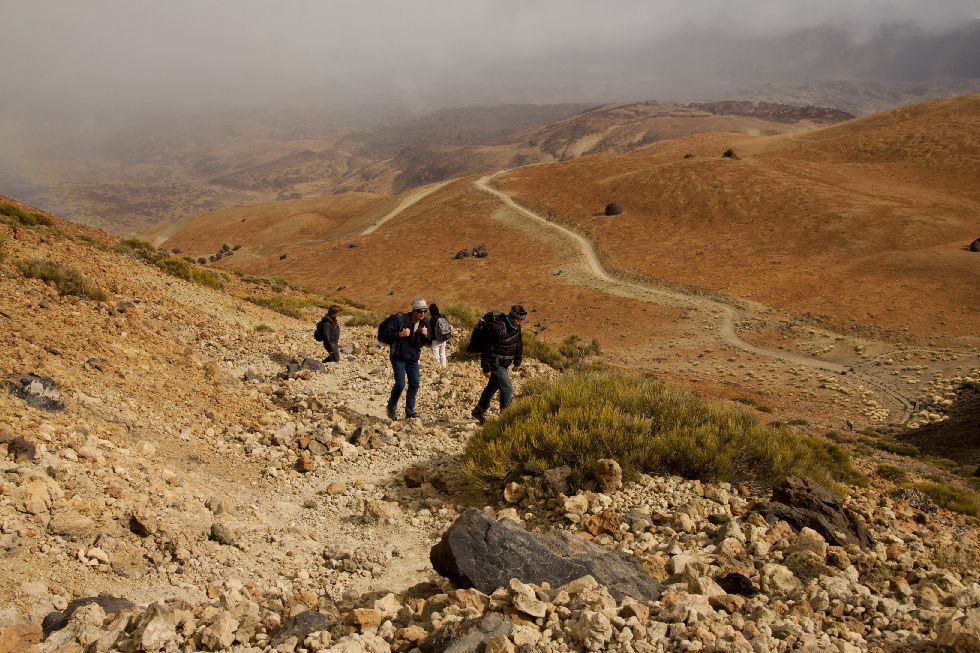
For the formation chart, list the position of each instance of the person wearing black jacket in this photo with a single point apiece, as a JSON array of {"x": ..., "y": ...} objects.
[
  {"x": 331, "y": 335},
  {"x": 504, "y": 347},
  {"x": 409, "y": 333}
]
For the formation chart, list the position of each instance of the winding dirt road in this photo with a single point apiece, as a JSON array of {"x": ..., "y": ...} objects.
[
  {"x": 409, "y": 200},
  {"x": 729, "y": 314}
]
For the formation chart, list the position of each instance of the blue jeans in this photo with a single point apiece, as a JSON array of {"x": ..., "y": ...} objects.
[
  {"x": 499, "y": 380},
  {"x": 401, "y": 369}
]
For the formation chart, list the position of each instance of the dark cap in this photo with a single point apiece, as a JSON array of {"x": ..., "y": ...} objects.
[{"x": 517, "y": 312}]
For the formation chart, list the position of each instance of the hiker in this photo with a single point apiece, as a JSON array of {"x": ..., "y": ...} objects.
[
  {"x": 503, "y": 347},
  {"x": 407, "y": 333},
  {"x": 330, "y": 330},
  {"x": 441, "y": 332}
]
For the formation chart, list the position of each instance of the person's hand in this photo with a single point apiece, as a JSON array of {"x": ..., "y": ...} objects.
[
  {"x": 404, "y": 333},
  {"x": 487, "y": 374},
  {"x": 425, "y": 331}
]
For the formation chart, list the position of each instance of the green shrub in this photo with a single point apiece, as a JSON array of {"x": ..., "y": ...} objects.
[
  {"x": 647, "y": 427},
  {"x": 286, "y": 304},
  {"x": 463, "y": 316},
  {"x": 180, "y": 268},
  {"x": 366, "y": 318},
  {"x": 263, "y": 328},
  {"x": 14, "y": 215},
  {"x": 69, "y": 281},
  {"x": 798, "y": 421},
  {"x": 958, "y": 499},
  {"x": 895, "y": 447},
  {"x": 892, "y": 473},
  {"x": 140, "y": 249}
]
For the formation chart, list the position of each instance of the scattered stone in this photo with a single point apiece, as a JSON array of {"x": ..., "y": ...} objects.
[
  {"x": 468, "y": 635},
  {"x": 300, "y": 625},
  {"x": 21, "y": 450},
  {"x": 223, "y": 534},
  {"x": 608, "y": 475},
  {"x": 38, "y": 391},
  {"x": 736, "y": 583},
  {"x": 613, "y": 209},
  {"x": 975, "y": 245},
  {"x": 514, "y": 493},
  {"x": 730, "y": 154},
  {"x": 802, "y": 503},
  {"x": 556, "y": 479},
  {"x": 109, "y": 604}
]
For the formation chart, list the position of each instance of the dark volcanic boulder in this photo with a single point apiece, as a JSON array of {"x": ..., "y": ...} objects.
[
  {"x": 480, "y": 251},
  {"x": 478, "y": 551},
  {"x": 730, "y": 154},
  {"x": 802, "y": 502},
  {"x": 38, "y": 391},
  {"x": 975, "y": 245},
  {"x": 55, "y": 621},
  {"x": 613, "y": 209},
  {"x": 463, "y": 253}
]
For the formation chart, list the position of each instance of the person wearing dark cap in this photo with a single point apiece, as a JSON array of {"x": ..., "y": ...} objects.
[
  {"x": 407, "y": 334},
  {"x": 504, "y": 347}
]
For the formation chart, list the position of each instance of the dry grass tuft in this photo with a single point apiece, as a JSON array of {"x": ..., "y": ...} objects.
[{"x": 69, "y": 281}]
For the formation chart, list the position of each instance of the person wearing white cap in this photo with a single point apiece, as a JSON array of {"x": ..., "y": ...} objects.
[{"x": 407, "y": 333}]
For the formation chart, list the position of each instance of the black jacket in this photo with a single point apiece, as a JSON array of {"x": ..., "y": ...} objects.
[
  {"x": 504, "y": 346},
  {"x": 331, "y": 330},
  {"x": 409, "y": 347}
]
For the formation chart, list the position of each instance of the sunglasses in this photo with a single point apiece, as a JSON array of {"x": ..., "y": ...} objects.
[{"x": 419, "y": 310}]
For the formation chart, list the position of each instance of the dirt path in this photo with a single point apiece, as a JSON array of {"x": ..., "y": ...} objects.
[
  {"x": 409, "y": 200},
  {"x": 729, "y": 315}
]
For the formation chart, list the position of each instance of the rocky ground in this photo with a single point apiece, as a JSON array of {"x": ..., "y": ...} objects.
[{"x": 195, "y": 465}]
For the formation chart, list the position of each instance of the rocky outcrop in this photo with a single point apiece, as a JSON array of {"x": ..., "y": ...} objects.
[
  {"x": 804, "y": 503},
  {"x": 478, "y": 551},
  {"x": 38, "y": 391}
]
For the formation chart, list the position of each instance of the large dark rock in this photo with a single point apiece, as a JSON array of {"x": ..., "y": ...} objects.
[
  {"x": 55, "y": 621},
  {"x": 468, "y": 635},
  {"x": 613, "y": 209},
  {"x": 975, "y": 245},
  {"x": 730, "y": 154},
  {"x": 38, "y": 391},
  {"x": 480, "y": 251},
  {"x": 301, "y": 625},
  {"x": 478, "y": 551},
  {"x": 802, "y": 502},
  {"x": 463, "y": 253}
]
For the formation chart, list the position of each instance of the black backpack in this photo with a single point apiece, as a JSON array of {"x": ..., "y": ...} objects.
[
  {"x": 482, "y": 332},
  {"x": 384, "y": 327},
  {"x": 318, "y": 333}
]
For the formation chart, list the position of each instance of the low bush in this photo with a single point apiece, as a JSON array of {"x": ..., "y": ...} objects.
[
  {"x": 140, "y": 249},
  {"x": 647, "y": 427},
  {"x": 894, "y": 446},
  {"x": 69, "y": 281},
  {"x": 263, "y": 328},
  {"x": 14, "y": 215},
  {"x": 286, "y": 304},
  {"x": 892, "y": 473},
  {"x": 754, "y": 403},
  {"x": 181, "y": 268},
  {"x": 366, "y": 318},
  {"x": 957, "y": 499}
]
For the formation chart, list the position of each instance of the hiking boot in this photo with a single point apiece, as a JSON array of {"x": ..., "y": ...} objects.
[
  {"x": 410, "y": 415},
  {"x": 479, "y": 414},
  {"x": 392, "y": 415}
]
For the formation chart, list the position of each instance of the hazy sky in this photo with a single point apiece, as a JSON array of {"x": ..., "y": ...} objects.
[{"x": 105, "y": 54}]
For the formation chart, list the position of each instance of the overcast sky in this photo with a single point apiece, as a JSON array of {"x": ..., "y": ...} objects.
[{"x": 215, "y": 54}]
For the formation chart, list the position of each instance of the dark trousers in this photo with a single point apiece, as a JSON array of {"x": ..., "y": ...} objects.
[
  {"x": 333, "y": 352},
  {"x": 403, "y": 369},
  {"x": 499, "y": 380}
]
